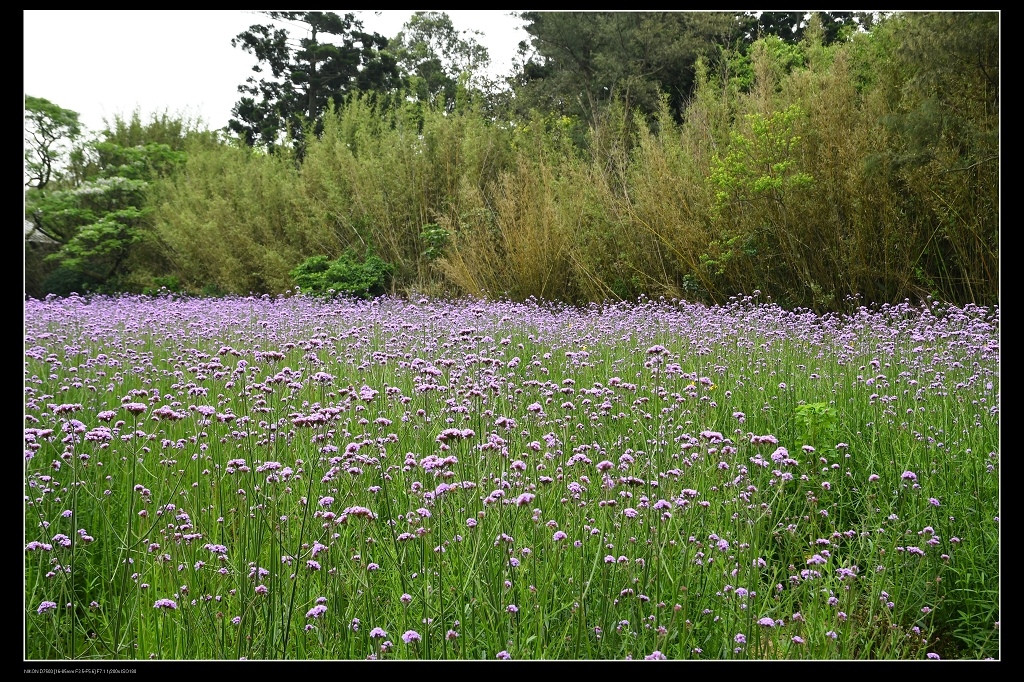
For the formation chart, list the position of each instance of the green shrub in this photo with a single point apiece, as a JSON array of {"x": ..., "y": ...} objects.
[
  {"x": 64, "y": 281},
  {"x": 162, "y": 285},
  {"x": 345, "y": 275}
]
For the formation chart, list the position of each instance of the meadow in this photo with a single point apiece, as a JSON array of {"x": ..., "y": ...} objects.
[{"x": 297, "y": 478}]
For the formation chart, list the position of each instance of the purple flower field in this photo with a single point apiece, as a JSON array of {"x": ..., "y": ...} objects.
[{"x": 268, "y": 478}]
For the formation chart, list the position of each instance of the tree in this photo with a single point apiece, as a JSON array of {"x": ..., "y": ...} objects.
[
  {"x": 582, "y": 60},
  {"x": 49, "y": 131},
  {"x": 306, "y": 76},
  {"x": 790, "y": 26},
  {"x": 98, "y": 215},
  {"x": 433, "y": 55}
]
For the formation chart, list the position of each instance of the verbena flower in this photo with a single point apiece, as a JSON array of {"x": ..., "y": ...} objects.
[{"x": 410, "y": 636}]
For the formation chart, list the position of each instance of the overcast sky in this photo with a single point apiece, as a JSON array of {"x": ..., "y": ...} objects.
[{"x": 105, "y": 62}]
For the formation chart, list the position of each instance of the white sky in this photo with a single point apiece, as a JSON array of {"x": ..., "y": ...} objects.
[{"x": 105, "y": 62}]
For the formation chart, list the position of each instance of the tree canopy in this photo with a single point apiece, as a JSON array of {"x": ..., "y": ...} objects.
[
  {"x": 335, "y": 58},
  {"x": 433, "y": 55},
  {"x": 576, "y": 62},
  {"x": 49, "y": 131}
]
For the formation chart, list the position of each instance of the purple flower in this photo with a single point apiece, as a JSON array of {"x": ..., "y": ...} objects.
[
  {"x": 411, "y": 636},
  {"x": 873, "y": 477},
  {"x": 378, "y": 633},
  {"x": 740, "y": 638},
  {"x": 832, "y": 634},
  {"x": 165, "y": 604},
  {"x": 932, "y": 655},
  {"x": 512, "y": 608},
  {"x": 46, "y": 606},
  {"x": 559, "y": 535},
  {"x": 767, "y": 622},
  {"x": 797, "y": 639},
  {"x": 655, "y": 656},
  {"x": 504, "y": 655},
  {"x": 934, "y": 502},
  {"x": 261, "y": 589},
  {"x": 316, "y": 611},
  {"x": 406, "y": 598},
  {"x": 908, "y": 476}
]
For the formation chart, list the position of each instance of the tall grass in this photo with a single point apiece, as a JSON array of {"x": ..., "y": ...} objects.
[{"x": 283, "y": 477}]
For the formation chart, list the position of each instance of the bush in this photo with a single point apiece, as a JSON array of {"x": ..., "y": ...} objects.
[
  {"x": 345, "y": 275},
  {"x": 163, "y": 285},
  {"x": 65, "y": 281}
]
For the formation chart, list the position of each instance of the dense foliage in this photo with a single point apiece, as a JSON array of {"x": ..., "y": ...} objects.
[
  {"x": 695, "y": 155},
  {"x": 305, "y": 77}
]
